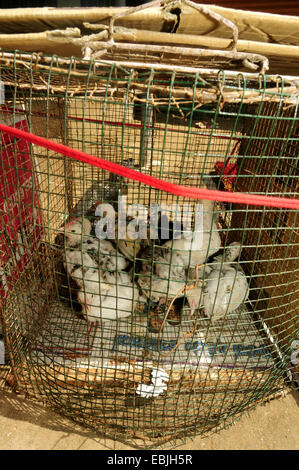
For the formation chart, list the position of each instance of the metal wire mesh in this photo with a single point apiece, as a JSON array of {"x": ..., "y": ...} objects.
[{"x": 238, "y": 132}]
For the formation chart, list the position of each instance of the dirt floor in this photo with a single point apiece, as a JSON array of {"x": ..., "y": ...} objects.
[{"x": 26, "y": 424}]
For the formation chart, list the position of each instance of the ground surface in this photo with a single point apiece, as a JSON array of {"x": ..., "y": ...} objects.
[{"x": 27, "y": 424}]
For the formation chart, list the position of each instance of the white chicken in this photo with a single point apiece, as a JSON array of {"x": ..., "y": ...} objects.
[
  {"x": 204, "y": 242},
  {"x": 224, "y": 286},
  {"x": 107, "y": 296},
  {"x": 75, "y": 231}
]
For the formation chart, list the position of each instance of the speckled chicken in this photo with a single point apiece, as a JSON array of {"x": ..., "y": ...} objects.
[
  {"x": 158, "y": 278},
  {"x": 104, "y": 291},
  {"x": 81, "y": 245}
]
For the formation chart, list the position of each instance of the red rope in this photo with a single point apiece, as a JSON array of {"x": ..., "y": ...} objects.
[{"x": 178, "y": 190}]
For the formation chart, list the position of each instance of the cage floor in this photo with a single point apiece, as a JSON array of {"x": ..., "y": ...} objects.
[
  {"x": 92, "y": 373},
  {"x": 234, "y": 342}
]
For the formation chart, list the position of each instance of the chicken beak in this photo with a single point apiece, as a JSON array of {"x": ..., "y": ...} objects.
[
  {"x": 59, "y": 239},
  {"x": 203, "y": 312}
]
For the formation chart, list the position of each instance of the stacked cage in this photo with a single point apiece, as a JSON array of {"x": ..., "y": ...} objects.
[{"x": 140, "y": 333}]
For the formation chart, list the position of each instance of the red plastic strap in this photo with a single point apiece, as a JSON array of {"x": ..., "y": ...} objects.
[{"x": 178, "y": 190}]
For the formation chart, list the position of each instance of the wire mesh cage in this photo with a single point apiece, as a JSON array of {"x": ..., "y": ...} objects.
[{"x": 117, "y": 308}]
